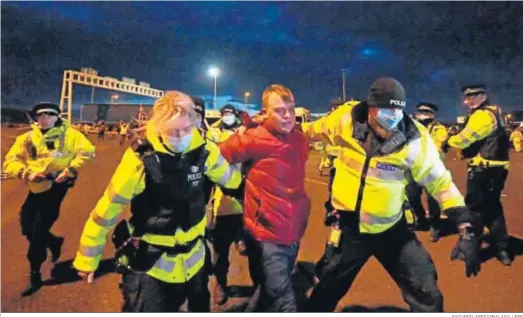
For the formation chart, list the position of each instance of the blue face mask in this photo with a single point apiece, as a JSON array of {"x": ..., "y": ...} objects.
[
  {"x": 178, "y": 145},
  {"x": 388, "y": 119}
]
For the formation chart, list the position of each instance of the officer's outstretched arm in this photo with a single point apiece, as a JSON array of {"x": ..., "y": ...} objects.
[
  {"x": 14, "y": 163},
  {"x": 326, "y": 128},
  {"x": 441, "y": 135},
  {"x": 219, "y": 170},
  {"x": 428, "y": 170},
  {"x": 82, "y": 148},
  {"x": 127, "y": 181},
  {"x": 480, "y": 125}
]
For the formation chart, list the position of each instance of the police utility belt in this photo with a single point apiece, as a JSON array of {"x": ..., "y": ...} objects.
[{"x": 134, "y": 254}]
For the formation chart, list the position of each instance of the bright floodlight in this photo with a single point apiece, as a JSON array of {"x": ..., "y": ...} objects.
[{"x": 214, "y": 72}]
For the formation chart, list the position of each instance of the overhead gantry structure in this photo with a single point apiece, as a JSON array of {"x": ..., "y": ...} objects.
[{"x": 93, "y": 80}]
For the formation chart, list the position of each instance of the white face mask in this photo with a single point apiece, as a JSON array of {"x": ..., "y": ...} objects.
[
  {"x": 229, "y": 119},
  {"x": 388, "y": 119},
  {"x": 178, "y": 145}
]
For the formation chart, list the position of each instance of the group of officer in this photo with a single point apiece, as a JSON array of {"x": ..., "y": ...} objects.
[{"x": 172, "y": 171}]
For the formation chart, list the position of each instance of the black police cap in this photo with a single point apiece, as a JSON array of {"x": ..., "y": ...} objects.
[
  {"x": 474, "y": 89},
  {"x": 427, "y": 106}
]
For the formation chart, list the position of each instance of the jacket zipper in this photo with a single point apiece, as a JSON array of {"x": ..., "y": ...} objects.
[{"x": 362, "y": 184}]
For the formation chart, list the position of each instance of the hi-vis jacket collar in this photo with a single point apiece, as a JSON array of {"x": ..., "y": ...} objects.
[
  {"x": 196, "y": 141},
  {"x": 407, "y": 127}
]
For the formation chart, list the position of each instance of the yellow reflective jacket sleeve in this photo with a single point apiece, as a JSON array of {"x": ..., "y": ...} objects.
[
  {"x": 219, "y": 170},
  {"x": 325, "y": 129},
  {"x": 429, "y": 171},
  {"x": 480, "y": 125},
  {"x": 127, "y": 182},
  {"x": 83, "y": 149},
  {"x": 439, "y": 136},
  {"x": 14, "y": 163}
]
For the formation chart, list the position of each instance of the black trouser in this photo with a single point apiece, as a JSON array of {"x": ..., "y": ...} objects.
[
  {"x": 484, "y": 186},
  {"x": 37, "y": 215},
  {"x": 326, "y": 257},
  {"x": 397, "y": 249},
  {"x": 228, "y": 229},
  {"x": 414, "y": 192},
  {"x": 143, "y": 293}
]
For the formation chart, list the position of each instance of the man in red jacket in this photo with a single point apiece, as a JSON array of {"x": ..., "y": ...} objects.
[{"x": 276, "y": 205}]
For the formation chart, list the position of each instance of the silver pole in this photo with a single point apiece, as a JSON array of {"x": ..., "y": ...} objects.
[
  {"x": 215, "y": 87},
  {"x": 343, "y": 71}
]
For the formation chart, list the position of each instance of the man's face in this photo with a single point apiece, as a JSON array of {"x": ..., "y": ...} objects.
[
  {"x": 474, "y": 100},
  {"x": 281, "y": 115},
  {"x": 46, "y": 120}
]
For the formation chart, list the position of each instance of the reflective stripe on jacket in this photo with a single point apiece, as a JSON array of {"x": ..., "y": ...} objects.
[
  {"x": 59, "y": 148},
  {"x": 374, "y": 186},
  {"x": 126, "y": 183}
]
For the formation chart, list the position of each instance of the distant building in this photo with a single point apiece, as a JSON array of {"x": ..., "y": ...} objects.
[{"x": 114, "y": 113}]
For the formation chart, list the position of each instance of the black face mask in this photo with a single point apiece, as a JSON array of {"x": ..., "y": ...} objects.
[{"x": 427, "y": 121}]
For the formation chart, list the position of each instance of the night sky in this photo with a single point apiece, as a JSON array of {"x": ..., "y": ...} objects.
[{"x": 432, "y": 48}]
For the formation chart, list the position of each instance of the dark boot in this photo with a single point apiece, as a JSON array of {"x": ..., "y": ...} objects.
[
  {"x": 434, "y": 234},
  {"x": 35, "y": 283},
  {"x": 55, "y": 246},
  {"x": 504, "y": 257}
]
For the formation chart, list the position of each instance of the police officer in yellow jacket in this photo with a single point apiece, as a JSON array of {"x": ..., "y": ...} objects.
[
  {"x": 485, "y": 142},
  {"x": 516, "y": 137},
  {"x": 380, "y": 145},
  {"x": 47, "y": 158},
  {"x": 227, "y": 210},
  {"x": 425, "y": 115},
  {"x": 161, "y": 247}
]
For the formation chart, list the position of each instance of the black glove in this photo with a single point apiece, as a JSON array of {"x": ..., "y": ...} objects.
[
  {"x": 331, "y": 214},
  {"x": 467, "y": 248},
  {"x": 445, "y": 146},
  {"x": 209, "y": 234}
]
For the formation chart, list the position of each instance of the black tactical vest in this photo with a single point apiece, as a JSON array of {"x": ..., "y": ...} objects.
[
  {"x": 495, "y": 147},
  {"x": 177, "y": 201}
]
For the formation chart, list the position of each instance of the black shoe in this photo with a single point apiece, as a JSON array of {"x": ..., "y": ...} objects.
[
  {"x": 434, "y": 234},
  {"x": 56, "y": 248},
  {"x": 35, "y": 283},
  {"x": 421, "y": 224},
  {"x": 504, "y": 258}
]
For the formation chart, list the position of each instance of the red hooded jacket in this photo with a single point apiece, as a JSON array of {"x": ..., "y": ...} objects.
[{"x": 276, "y": 206}]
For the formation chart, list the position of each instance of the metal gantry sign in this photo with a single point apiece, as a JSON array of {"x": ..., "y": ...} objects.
[{"x": 93, "y": 80}]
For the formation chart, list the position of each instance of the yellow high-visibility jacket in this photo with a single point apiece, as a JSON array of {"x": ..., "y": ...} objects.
[
  {"x": 375, "y": 186},
  {"x": 439, "y": 135},
  {"x": 223, "y": 205},
  {"x": 480, "y": 125},
  {"x": 516, "y": 136},
  {"x": 127, "y": 182},
  {"x": 71, "y": 150}
]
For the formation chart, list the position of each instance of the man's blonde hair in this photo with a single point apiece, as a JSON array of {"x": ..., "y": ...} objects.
[
  {"x": 171, "y": 104},
  {"x": 283, "y": 92}
]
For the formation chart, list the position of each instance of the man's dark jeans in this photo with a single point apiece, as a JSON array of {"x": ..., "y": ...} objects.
[{"x": 270, "y": 266}]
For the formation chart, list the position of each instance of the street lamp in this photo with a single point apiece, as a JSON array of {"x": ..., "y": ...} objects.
[
  {"x": 114, "y": 97},
  {"x": 247, "y": 95},
  {"x": 214, "y": 72}
]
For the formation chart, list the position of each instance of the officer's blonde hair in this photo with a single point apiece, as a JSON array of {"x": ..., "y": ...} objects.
[{"x": 172, "y": 104}]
